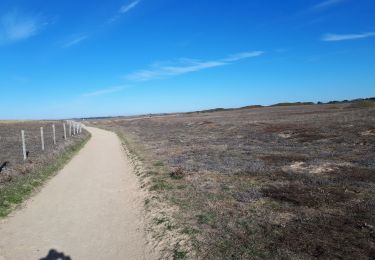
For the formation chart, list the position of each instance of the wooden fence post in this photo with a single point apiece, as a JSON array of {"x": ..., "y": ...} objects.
[
  {"x": 42, "y": 137},
  {"x": 23, "y": 145},
  {"x": 54, "y": 134},
  {"x": 64, "y": 131},
  {"x": 70, "y": 128}
]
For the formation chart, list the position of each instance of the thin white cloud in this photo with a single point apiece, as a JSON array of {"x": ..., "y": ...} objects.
[
  {"x": 105, "y": 91},
  {"x": 123, "y": 10},
  {"x": 157, "y": 72},
  {"x": 75, "y": 40},
  {"x": 15, "y": 26},
  {"x": 243, "y": 55},
  {"x": 187, "y": 66},
  {"x": 126, "y": 8},
  {"x": 326, "y": 4},
  {"x": 345, "y": 37}
]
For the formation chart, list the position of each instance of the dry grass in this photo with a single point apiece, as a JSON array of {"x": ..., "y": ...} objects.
[
  {"x": 11, "y": 146},
  {"x": 266, "y": 183}
]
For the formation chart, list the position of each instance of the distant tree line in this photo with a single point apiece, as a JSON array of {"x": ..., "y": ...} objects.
[{"x": 358, "y": 100}]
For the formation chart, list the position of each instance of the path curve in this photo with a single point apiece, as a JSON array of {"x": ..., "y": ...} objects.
[{"x": 91, "y": 210}]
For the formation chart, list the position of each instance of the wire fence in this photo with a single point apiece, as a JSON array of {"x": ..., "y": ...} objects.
[{"x": 21, "y": 141}]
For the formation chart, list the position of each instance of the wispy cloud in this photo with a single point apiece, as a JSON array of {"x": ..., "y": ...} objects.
[
  {"x": 123, "y": 10},
  {"x": 16, "y": 26},
  {"x": 314, "y": 13},
  {"x": 344, "y": 37},
  {"x": 186, "y": 66},
  {"x": 326, "y": 4},
  {"x": 126, "y": 8},
  {"x": 105, "y": 91},
  {"x": 74, "y": 40},
  {"x": 242, "y": 55}
]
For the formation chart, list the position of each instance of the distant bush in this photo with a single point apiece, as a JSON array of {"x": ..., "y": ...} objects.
[
  {"x": 213, "y": 110},
  {"x": 363, "y": 104},
  {"x": 251, "y": 107},
  {"x": 293, "y": 104}
]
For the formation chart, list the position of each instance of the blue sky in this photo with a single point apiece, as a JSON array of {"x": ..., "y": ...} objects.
[{"x": 62, "y": 59}]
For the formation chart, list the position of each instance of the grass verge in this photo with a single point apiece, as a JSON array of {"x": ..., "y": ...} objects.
[
  {"x": 22, "y": 187},
  {"x": 168, "y": 236}
]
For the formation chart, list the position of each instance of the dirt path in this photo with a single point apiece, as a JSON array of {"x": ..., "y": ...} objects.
[{"x": 91, "y": 210}]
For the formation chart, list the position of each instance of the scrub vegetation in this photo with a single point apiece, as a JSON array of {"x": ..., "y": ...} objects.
[{"x": 282, "y": 182}]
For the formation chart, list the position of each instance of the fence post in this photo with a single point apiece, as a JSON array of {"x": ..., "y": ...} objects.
[
  {"x": 42, "y": 137},
  {"x": 54, "y": 134},
  {"x": 70, "y": 128},
  {"x": 64, "y": 131},
  {"x": 23, "y": 145}
]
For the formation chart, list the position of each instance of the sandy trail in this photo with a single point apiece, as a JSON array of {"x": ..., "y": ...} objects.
[{"x": 91, "y": 210}]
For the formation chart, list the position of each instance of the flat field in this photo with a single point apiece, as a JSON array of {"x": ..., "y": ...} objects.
[{"x": 290, "y": 182}]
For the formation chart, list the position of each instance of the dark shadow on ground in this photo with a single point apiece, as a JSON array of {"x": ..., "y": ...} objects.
[{"x": 55, "y": 255}]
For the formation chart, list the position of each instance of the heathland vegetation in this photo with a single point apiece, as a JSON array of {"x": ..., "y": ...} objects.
[{"x": 281, "y": 182}]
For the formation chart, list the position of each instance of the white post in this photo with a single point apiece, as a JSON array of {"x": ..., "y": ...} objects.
[
  {"x": 74, "y": 128},
  {"x": 64, "y": 131},
  {"x": 42, "y": 137},
  {"x": 54, "y": 134},
  {"x": 70, "y": 128},
  {"x": 23, "y": 145},
  {"x": 80, "y": 128}
]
